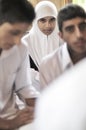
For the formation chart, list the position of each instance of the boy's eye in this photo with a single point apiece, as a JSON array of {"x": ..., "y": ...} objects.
[
  {"x": 69, "y": 29},
  {"x": 82, "y": 26},
  {"x": 15, "y": 33}
]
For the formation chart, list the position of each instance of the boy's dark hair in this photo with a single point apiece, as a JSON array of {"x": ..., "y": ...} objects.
[
  {"x": 68, "y": 12},
  {"x": 16, "y": 11}
]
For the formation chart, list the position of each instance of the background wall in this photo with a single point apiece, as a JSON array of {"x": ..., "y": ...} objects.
[{"x": 58, "y": 3}]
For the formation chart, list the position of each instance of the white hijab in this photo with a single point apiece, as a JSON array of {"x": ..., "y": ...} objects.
[{"x": 39, "y": 44}]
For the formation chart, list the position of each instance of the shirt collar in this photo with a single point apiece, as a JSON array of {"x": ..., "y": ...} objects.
[
  {"x": 66, "y": 59},
  {"x": 6, "y": 53}
]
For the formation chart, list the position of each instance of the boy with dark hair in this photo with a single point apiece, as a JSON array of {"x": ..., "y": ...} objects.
[
  {"x": 72, "y": 27},
  {"x": 15, "y": 18},
  {"x": 69, "y": 12}
]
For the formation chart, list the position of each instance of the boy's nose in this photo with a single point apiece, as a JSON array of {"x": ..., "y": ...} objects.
[
  {"x": 78, "y": 32},
  {"x": 17, "y": 40}
]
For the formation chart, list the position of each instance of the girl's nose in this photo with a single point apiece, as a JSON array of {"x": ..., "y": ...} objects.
[{"x": 48, "y": 24}]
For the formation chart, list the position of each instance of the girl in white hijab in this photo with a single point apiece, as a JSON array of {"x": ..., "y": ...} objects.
[{"x": 39, "y": 43}]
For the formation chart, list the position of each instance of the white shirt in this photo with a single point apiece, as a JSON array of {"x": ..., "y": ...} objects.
[
  {"x": 54, "y": 64},
  {"x": 14, "y": 69}
]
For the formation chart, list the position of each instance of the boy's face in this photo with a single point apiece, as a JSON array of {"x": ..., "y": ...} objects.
[
  {"x": 10, "y": 34},
  {"x": 74, "y": 33},
  {"x": 47, "y": 24}
]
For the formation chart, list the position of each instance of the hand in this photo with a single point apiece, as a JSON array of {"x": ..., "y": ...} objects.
[
  {"x": 23, "y": 117},
  {"x": 30, "y": 101}
]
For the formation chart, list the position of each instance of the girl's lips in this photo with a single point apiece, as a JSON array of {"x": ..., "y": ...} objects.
[{"x": 48, "y": 31}]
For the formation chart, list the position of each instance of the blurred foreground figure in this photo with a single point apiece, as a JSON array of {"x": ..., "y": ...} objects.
[{"x": 62, "y": 106}]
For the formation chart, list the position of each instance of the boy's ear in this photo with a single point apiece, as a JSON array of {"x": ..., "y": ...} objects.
[{"x": 60, "y": 34}]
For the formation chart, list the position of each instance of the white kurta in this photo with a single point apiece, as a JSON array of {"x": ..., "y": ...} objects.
[
  {"x": 54, "y": 64},
  {"x": 14, "y": 68}
]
